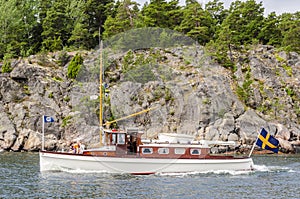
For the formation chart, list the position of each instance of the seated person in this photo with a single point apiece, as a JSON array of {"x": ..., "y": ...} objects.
[{"x": 76, "y": 147}]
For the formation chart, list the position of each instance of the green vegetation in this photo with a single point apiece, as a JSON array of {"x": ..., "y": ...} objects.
[
  {"x": 128, "y": 60},
  {"x": 57, "y": 79},
  {"x": 206, "y": 101},
  {"x": 6, "y": 68},
  {"x": 290, "y": 92},
  {"x": 30, "y": 27},
  {"x": 26, "y": 89},
  {"x": 50, "y": 95},
  {"x": 66, "y": 121},
  {"x": 141, "y": 74},
  {"x": 284, "y": 65},
  {"x": 75, "y": 66},
  {"x": 288, "y": 69},
  {"x": 139, "y": 68},
  {"x": 168, "y": 95},
  {"x": 67, "y": 99},
  {"x": 245, "y": 91}
]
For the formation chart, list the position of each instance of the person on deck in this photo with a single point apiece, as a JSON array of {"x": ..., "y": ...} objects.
[
  {"x": 76, "y": 147},
  {"x": 72, "y": 150}
]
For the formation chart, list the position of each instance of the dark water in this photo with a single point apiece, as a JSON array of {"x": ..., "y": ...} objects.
[{"x": 275, "y": 177}]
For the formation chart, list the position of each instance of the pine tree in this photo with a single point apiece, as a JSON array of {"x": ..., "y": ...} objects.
[
  {"x": 75, "y": 66},
  {"x": 80, "y": 37},
  {"x": 10, "y": 23},
  {"x": 223, "y": 47},
  {"x": 270, "y": 33},
  {"x": 126, "y": 18},
  {"x": 163, "y": 14},
  {"x": 31, "y": 28},
  {"x": 245, "y": 21},
  {"x": 241, "y": 27},
  {"x": 217, "y": 12},
  {"x": 55, "y": 30},
  {"x": 96, "y": 12},
  {"x": 290, "y": 27},
  {"x": 197, "y": 23}
]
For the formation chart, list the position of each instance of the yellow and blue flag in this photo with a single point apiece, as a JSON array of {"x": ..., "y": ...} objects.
[{"x": 266, "y": 141}]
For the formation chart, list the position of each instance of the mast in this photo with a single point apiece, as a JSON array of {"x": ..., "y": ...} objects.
[{"x": 100, "y": 90}]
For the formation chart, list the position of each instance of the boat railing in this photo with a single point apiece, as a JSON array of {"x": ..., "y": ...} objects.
[
  {"x": 106, "y": 148},
  {"x": 216, "y": 142}
]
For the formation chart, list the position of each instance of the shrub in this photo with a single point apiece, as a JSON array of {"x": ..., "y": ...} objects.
[
  {"x": 6, "y": 68},
  {"x": 50, "y": 95},
  {"x": 66, "y": 121},
  {"x": 75, "y": 66}
]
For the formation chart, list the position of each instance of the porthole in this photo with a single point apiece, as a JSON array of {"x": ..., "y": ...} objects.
[
  {"x": 179, "y": 151},
  {"x": 163, "y": 151},
  {"x": 147, "y": 151},
  {"x": 195, "y": 152}
]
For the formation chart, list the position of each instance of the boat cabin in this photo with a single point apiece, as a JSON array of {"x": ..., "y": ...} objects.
[
  {"x": 119, "y": 143},
  {"x": 125, "y": 142}
]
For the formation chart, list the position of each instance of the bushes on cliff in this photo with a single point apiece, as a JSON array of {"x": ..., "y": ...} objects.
[
  {"x": 74, "y": 66},
  {"x": 6, "y": 68}
]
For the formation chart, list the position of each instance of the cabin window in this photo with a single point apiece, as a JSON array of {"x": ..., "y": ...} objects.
[
  {"x": 147, "y": 151},
  {"x": 113, "y": 138},
  {"x": 121, "y": 138},
  {"x": 163, "y": 151},
  {"x": 179, "y": 151},
  {"x": 195, "y": 151}
]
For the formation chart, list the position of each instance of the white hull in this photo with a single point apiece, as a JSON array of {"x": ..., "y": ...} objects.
[{"x": 58, "y": 162}]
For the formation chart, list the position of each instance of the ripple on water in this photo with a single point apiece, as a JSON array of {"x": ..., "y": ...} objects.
[{"x": 273, "y": 177}]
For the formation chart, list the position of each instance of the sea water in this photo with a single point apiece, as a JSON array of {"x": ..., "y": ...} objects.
[{"x": 275, "y": 176}]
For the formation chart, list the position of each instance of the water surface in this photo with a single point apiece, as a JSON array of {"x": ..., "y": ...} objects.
[{"x": 275, "y": 177}]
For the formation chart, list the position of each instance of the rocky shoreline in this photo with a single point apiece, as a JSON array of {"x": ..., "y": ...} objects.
[{"x": 192, "y": 95}]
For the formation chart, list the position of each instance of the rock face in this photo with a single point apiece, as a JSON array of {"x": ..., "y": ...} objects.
[{"x": 188, "y": 92}]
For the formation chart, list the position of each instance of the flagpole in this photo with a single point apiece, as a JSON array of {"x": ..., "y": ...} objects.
[
  {"x": 43, "y": 135},
  {"x": 253, "y": 145},
  {"x": 100, "y": 93}
]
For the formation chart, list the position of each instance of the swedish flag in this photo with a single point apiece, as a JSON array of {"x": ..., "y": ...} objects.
[{"x": 266, "y": 141}]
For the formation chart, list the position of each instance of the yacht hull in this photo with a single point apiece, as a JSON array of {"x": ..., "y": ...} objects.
[{"x": 56, "y": 161}]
